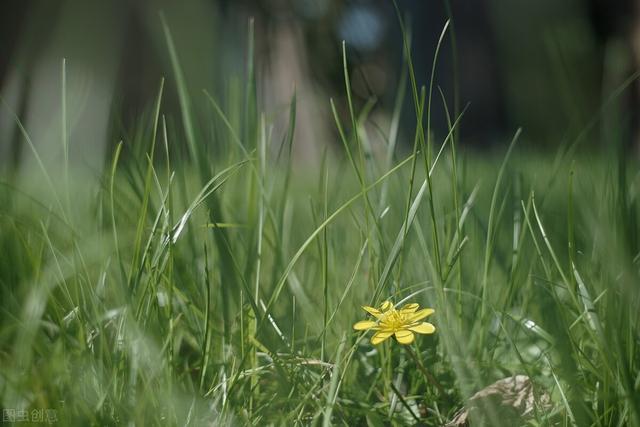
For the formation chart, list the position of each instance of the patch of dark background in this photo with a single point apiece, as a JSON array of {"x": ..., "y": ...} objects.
[{"x": 540, "y": 65}]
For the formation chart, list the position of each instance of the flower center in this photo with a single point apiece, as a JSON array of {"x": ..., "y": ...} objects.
[{"x": 393, "y": 320}]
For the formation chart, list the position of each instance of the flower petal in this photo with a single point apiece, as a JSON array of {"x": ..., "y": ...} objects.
[
  {"x": 380, "y": 336},
  {"x": 409, "y": 308},
  {"x": 386, "y": 306},
  {"x": 372, "y": 311},
  {"x": 364, "y": 324},
  {"x": 420, "y": 314},
  {"x": 405, "y": 337},
  {"x": 423, "y": 328}
]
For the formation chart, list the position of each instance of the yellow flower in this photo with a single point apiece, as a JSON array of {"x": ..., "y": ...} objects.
[{"x": 402, "y": 323}]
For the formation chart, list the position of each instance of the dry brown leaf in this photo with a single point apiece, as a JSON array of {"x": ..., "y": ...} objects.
[{"x": 505, "y": 402}]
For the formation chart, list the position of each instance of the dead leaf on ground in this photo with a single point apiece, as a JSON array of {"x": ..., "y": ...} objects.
[{"x": 506, "y": 401}]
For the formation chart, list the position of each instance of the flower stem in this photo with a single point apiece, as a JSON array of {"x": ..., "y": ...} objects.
[{"x": 427, "y": 375}]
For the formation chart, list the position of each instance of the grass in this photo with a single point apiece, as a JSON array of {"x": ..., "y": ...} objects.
[{"x": 205, "y": 279}]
